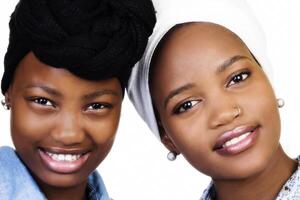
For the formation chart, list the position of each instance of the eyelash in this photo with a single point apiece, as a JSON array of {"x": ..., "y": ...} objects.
[
  {"x": 98, "y": 106},
  {"x": 240, "y": 77},
  {"x": 42, "y": 101},
  {"x": 187, "y": 105},
  {"x": 93, "y": 106}
]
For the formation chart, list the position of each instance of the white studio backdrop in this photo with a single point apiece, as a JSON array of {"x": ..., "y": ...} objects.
[{"x": 137, "y": 167}]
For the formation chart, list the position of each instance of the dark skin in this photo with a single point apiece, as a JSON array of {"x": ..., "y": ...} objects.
[
  {"x": 53, "y": 110},
  {"x": 209, "y": 71}
]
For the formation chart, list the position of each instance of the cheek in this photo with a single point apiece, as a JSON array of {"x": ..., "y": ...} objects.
[
  {"x": 264, "y": 108},
  {"x": 103, "y": 130},
  {"x": 28, "y": 126},
  {"x": 102, "y": 133},
  {"x": 191, "y": 138},
  {"x": 269, "y": 112}
]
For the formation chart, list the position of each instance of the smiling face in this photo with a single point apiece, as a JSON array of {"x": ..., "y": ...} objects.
[
  {"x": 62, "y": 126},
  {"x": 214, "y": 102}
]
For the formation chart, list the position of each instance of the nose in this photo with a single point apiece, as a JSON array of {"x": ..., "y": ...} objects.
[
  {"x": 223, "y": 112},
  {"x": 68, "y": 130}
]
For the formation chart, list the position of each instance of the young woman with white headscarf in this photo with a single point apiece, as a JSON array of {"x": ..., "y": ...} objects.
[{"x": 203, "y": 87}]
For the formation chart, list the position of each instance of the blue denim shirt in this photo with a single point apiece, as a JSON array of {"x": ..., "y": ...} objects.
[{"x": 16, "y": 183}]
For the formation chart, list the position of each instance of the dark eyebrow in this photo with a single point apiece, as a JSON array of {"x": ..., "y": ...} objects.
[
  {"x": 54, "y": 92},
  {"x": 100, "y": 93},
  {"x": 177, "y": 91},
  {"x": 229, "y": 62},
  {"x": 220, "y": 69},
  {"x": 47, "y": 89}
]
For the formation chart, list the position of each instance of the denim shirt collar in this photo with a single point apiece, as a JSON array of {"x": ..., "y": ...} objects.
[
  {"x": 96, "y": 188},
  {"x": 17, "y": 183}
]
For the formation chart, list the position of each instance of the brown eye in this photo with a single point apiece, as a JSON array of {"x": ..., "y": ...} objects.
[
  {"x": 98, "y": 106},
  {"x": 185, "y": 106},
  {"x": 42, "y": 101},
  {"x": 238, "y": 78}
]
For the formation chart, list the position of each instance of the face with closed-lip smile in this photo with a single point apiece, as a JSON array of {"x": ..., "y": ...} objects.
[
  {"x": 62, "y": 126},
  {"x": 214, "y": 103}
]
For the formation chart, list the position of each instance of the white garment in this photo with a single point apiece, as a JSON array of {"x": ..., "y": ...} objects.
[{"x": 235, "y": 15}]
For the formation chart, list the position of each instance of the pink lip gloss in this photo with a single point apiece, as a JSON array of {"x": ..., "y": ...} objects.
[{"x": 63, "y": 163}]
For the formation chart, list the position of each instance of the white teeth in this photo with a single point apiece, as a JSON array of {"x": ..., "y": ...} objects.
[
  {"x": 63, "y": 157},
  {"x": 68, "y": 157},
  {"x": 236, "y": 140}
]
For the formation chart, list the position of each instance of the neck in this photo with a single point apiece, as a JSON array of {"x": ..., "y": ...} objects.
[
  {"x": 264, "y": 185},
  {"x": 77, "y": 192}
]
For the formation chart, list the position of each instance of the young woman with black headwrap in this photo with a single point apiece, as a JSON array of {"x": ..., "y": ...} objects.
[{"x": 66, "y": 67}]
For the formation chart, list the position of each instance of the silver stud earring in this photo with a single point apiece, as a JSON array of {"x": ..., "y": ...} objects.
[
  {"x": 5, "y": 105},
  {"x": 171, "y": 156},
  {"x": 280, "y": 102}
]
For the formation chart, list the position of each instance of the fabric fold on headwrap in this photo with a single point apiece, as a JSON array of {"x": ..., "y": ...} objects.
[
  {"x": 234, "y": 15},
  {"x": 94, "y": 39}
]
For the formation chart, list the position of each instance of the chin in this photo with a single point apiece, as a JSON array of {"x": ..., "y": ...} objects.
[
  {"x": 61, "y": 180},
  {"x": 243, "y": 170}
]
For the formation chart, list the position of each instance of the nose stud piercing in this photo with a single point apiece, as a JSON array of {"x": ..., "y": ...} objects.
[
  {"x": 280, "y": 103},
  {"x": 171, "y": 156},
  {"x": 238, "y": 111},
  {"x": 5, "y": 105}
]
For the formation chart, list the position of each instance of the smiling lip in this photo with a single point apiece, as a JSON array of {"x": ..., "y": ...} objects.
[
  {"x": 63, "y": 160},
  {"x": 237, "y": 140}
]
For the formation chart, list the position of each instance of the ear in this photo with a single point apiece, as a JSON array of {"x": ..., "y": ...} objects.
[
  {"x": 7, "y": 97},
  {"x": 166, "y": 140}
]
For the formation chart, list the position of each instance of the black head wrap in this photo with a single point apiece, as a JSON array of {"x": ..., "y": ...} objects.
[{"x": 93, "y": 39}]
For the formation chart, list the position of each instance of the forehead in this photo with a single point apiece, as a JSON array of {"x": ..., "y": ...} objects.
[
  {"x": 31, "y": 71},
  {"x": 198, "y": 43}
]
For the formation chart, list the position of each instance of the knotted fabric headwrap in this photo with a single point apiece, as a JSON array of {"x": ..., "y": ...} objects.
[
  {"x": 93, "y": 39},
  {"x": 234, "y": 15}
]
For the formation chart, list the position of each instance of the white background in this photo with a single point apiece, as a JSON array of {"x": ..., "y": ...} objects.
[{"x": 137, "y": 167}]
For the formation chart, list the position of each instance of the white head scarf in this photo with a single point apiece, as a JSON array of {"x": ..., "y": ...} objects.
[{"x": 234, "y": 15}]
